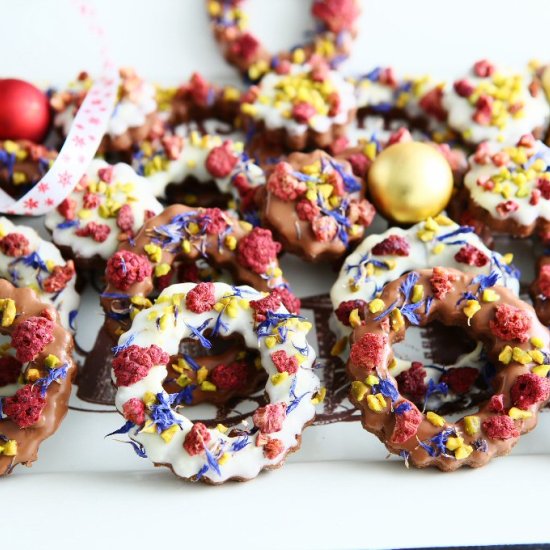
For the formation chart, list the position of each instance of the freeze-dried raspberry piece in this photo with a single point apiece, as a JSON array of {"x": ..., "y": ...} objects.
[
  {"x": 529, "y": 389},
  {"x": 125, "y": 268},
  {"x": 432, "y": 103},
  {"x": 273, "y": 448},
  {"x": 59, "y": 277},
  {"x": 484, "y": 110},
  {"x": 125, "y": 218},
  {"x": 221, "y": 161},
  {"x": 97, "y": 231},
  {"x": 91, "y": 200},
  {"x": 307, "y": 211},
  {"x": 411, "y": 381},
  {"x": 197, "y": 439},
  {"x": 214, "y": 220},
  {"x": 31, "y": 336},
  {"x": 337, "y": 15},
  {"x": 106, "y": 173},
  {"x": 287, "y": 297},
  {"x": 543, "y": 185},
  {"x": 10, "y": 369},
  {"x": 199, "y": 88},
  {"x": 284, "y": 362},
  {"x": 402, "y": 135},
  {"x": 303, "y": 111},
  {"x": 544, "y": 280},
  {"x": 406, "y": 424},
  {"x": 284, "y": 184},
  {"x": 361, "y": 212},
  {"x": 324, "y": 228},
  {"x": 15, "y": 245},
  {"x": 507, "y": 207},
  {"x": 496, "y": 403},
  {"x": 483, "y": 68},
  {"x": 245, "y": 46},
  {"x": 500, "y": 427},
  {"x": 510, "y": 323},
  {"x": 394, "y": 245},
  {"x": 201, "y": 298},
  {"x": 269, "y": 419},
  {"x": 441, "y": 282},
  {"x": 464, "y": 88},
  {"x": 233, "y": 376},
  {"x": 272, "y": 303},
  {"x": 134, "y": 363},
  {"x": 369, "y": 351},
  {"x": 258, "y": 250},
  {"x": 470, "y": 255},
  {"x": 25, "y": 406},
  {"x": 460, "y": 379},
  {"x": 134, "y": 410},
  {"x": 360, "y": 164},
  {"x": 343, "y": 311},
  {"x": 67, "y": 209}
]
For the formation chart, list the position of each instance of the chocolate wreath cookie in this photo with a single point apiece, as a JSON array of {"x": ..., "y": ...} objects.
[
  {"x": 508, "y": 188},
  {"x": 109, "y": 205},
  {"x": 27, "y": 260},
  {"x": 315, "y": 206},
  {"x": 515, "y": 342},
  {"x": 300, "y": 106},
  {"x": 199, "y": 170},
  {"x": 155, "y": 423},
  {"x": 134, "y": 119},
  {"x": 184, "y": 244},
  {"x": 36, "y": 368},
  {"x": 380, "y": 259},
  {"x": 490, "y": 104},
  {"x": 22, "y": 164},
  {"x": 335, "y": 29}
]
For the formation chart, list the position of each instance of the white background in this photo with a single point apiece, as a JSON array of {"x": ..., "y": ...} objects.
[{"x": 339, "y": 492}]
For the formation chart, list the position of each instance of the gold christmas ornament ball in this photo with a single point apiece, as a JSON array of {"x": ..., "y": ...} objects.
[{"x": 409, "y": 182}]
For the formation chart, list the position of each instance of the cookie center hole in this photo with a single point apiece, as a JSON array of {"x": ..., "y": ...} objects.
[
  {"x": 224, "y": 376},
  {"x": 442, "y": 369},
  {"x": 264, "y": 17}
]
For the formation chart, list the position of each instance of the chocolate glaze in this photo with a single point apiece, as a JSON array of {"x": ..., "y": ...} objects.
[
  {"x": 206, "y": 194},
  {"x": 540, "y": 302},
  {"x": 382, "y": 424},
  {"x": 57, "y": 396},
  {"x": 295, "y": 234}
]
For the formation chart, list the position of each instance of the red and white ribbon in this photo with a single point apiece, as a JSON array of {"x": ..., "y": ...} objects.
[{"x": 83, "y": 140}]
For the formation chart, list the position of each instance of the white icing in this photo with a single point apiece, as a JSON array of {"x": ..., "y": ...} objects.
[
  {"x": 249, "y": 461},
  {"x": 276, "y": 117},
  {"x": 527, "y": 213},
  {"x": 86, "y": 247},
  {"x": 373, "y": 94},
  {"x": 21, "y": 275},
  {"x": 192, "y": 162},
  {"x": 130, "y": 112},
  {"x": 536, "y": 113}
]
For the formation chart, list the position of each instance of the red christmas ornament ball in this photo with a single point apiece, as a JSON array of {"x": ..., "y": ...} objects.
[{"x": 24, "y": 111}]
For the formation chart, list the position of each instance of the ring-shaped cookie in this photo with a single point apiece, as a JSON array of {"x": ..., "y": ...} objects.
[
  {"x": 36, "y": 372},
  {"x": 191, "y": 450},
  {"x": 335, "y": 30},
  {"x": 515, "y": 341},
  {"x": 380, "y": 259}
]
